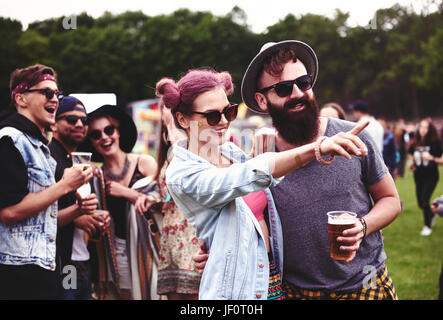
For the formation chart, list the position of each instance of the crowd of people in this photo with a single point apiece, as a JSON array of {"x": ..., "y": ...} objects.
[{"x": 232, "y": 225}]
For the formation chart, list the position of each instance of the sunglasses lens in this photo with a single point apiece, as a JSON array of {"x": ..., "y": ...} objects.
[
  {"x": 71, "y": 119},
  {"x": 284, "y": 89},
  {"x": 231, "y": 112},
  {"x": 49, "y": 93},
  {"x": 97, "y": 134},
  {"x": 109, "y": 130},
  {"x": 304, "y": 82},
  {"x": 213, "y": 117}
]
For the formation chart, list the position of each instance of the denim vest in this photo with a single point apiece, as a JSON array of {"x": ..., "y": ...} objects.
[
  {"x": 211, "y": 199},
  {"x": 31, "y": 241}
]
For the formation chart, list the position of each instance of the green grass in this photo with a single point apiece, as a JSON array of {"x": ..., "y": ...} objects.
[{"x": 414, "y": 262}]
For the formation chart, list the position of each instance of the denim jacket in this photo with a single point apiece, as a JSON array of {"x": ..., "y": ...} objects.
[
  {"x": 31, "y": 241},
  {"x": 211, "y": 200}
]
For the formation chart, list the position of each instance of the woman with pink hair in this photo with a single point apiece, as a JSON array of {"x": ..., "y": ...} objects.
[{"x": 208, "y": 178}]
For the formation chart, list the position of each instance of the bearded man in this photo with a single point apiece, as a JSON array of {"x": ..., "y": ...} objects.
[{"x": 279, "y": 81}]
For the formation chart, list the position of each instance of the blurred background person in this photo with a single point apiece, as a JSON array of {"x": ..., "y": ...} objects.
[
  {"x": 402, "y": 139},
  {"x": 111, "y": 136},
  {"x": 177, "y": 275},
  {"x": 361, "y": 113},
  {"x": 389, "y": 147},
  {"x": 425, "y": 146},
  {"x": 333, "y": 110}
]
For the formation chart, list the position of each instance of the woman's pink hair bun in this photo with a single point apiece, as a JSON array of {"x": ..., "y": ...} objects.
[{"x": 168, "y": 90}]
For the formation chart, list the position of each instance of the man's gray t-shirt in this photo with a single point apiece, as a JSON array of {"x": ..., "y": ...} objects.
[{"x": 304, "y": 197}]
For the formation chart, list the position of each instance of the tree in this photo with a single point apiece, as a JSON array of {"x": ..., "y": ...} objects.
[
  {"x": 395, "y": 63},
  {"x": 10, "y": 32}
]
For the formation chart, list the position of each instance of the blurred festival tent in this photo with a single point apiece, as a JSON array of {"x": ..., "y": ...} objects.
[
  {"x": 93, "y": 101},
  {"x": 146, "y": 115}
]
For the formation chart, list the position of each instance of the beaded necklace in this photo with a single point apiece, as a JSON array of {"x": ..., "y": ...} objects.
[{"x": 121, "y": 175}]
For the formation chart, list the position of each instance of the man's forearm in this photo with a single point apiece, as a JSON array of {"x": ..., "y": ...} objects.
[
  {"x": 32, "y": 204},
  {"x": 68, "y": 214},
  {"x": 382, "y": 214},
  {"x": 387, "y": 204}
]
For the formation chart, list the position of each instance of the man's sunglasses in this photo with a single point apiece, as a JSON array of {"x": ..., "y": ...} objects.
[
  {"x": 49, "y": 93},
  {"x": 97, "y": 134},
  {"x": 214, "y": 117},
  {"x": 284, "y": 88},
  {"x": 72, "y": 120}
]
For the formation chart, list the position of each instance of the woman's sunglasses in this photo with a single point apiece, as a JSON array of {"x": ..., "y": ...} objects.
[
  {"x": 72, "y": 120},
  {"x": 97, "y": 134},
  {"x": 214, "y": 117},
  {"x": 49, "y": 93},
  {"x": 284, "y": 88}
]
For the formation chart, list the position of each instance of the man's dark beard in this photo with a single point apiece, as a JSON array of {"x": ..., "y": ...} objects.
[
  {"x": 297, "y": 128},
  {"x": 67, "y": 140}
]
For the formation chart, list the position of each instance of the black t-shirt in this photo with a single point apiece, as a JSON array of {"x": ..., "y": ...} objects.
[
  {"x": 13, "y": 172},
  {"x": 65, "y": 234},
  {"x": 64, "y": 161}
]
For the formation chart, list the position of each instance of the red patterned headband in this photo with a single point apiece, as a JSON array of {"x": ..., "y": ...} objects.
[{"x": 24, "y": 86}]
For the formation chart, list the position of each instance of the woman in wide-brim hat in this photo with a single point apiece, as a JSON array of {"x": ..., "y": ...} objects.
[{"x": 111, "y": 136}]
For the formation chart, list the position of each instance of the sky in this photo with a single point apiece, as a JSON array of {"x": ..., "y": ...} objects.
[{"x": 260, "y": 14}]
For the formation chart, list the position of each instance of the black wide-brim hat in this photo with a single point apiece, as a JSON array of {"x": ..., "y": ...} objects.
[
  {"x": 249, "y": 84},
  {"x": 127, "y": 130}
]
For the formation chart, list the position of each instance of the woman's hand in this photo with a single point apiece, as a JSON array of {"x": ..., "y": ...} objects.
[
  {"x": 88, "y": 223},
  {"x": 104, "y": 219},
  {"x": 200, "y": 258},
  {"x": 426, "y": 156},
  {"x": 434, "y": 208},
  {"x": 117, "y": 190},
  {"x": 143, "y": 203},
  {"x": 345, "y": 143}
]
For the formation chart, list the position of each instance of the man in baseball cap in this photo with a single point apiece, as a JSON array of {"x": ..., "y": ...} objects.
[
  {"x": 75, "y": 218},
  {"x": 71, "y": 123}
]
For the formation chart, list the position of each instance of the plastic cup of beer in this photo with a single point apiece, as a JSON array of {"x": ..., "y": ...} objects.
[
  {"x": 339, "y": 221},
  {"x": 82, "y": 159}
]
